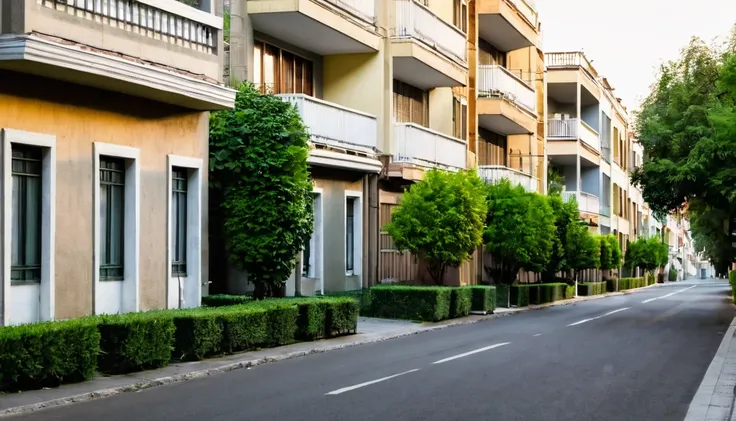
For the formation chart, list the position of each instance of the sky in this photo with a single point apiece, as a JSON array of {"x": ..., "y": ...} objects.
[{"x": 627, "y": 40}]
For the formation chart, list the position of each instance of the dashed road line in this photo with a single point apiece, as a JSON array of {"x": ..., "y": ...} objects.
[
  {"x": 465, "y": 354},
  {"x": 358, "y": 386},
  {"x": 668, "y": 295},
  {"x": 598, "y": 317}
]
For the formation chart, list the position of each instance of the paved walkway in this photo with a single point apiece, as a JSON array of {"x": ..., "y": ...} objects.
[{"x": 370, "y": 330}]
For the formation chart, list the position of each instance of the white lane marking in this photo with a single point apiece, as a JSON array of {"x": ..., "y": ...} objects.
[
  {"x": 668, "y": 295},
  {"x": 465, "y": 354},
  {"x": 598, "y": 317},
  {"x": 538, "y": 334},
  {"x": 358, "y": 386}
]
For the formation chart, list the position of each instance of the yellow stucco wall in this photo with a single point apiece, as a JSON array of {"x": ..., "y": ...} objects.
[{"x": 79, "y": 116}]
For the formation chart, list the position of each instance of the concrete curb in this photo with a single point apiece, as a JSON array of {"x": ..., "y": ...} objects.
[
  {"x": 247, "y": 363},
  {"x": 702, "y": 402}
]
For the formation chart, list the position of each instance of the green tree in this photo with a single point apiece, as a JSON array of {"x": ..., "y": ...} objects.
[
  {"x": 615, "y": 251},
  {"x": 519, "y": 231},
  {"x": 258, "y": 165},
  {"x": 566, "y": 215},
  {"x": 606, "y": 261},
  {"x": 555, "y": 181},
  {"x": 440, "y": 219},
  {"x": 583, "y": 250}
]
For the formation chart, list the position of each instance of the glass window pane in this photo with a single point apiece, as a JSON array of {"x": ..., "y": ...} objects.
[
  {"x": 350, "y": 235},
  {"x": 179, "y": 181},
  {"x": 112, "y": 218},
  {"x": 26, "y": 209}
]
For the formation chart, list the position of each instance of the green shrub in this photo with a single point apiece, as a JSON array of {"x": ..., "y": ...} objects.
[
  {"x": 198, "y": 333},
  {"x": 591, "y": 288},
  {"x": 569, "y": 291},
  {"x": 520, "y": 295},
  {"x": 483, "y": 298},
  {"x": 461, "y": 300},
  {"x": 363, "y": 296},
  {"x": 732, "y": 281},
  {"x": 282, "y": 321},
  {"x": 672, "y": 276},
  {"x": 222, "y": 300},
  {"x": 244, "y": 327},
  {"x": 503, "y": 295},
  {"x": 48, "y": 354},
  {"x": 550, "y": 293},
  {"x": 342, "y": 316},
  {"x": 611, "y": 285},
  {"x": 311, "y": 322},
  {"x": 411, "y": 303},
  {"x": 135, "y": 341},
  {"x": 321, "y": 317}
]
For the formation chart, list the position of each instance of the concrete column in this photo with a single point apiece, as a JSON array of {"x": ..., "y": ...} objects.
[
  {"x": 371, "y": 229},
  {"x": 241, "y": 43}
]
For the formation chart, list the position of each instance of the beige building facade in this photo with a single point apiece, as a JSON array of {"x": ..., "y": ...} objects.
[{"x": 104, "y": 110}]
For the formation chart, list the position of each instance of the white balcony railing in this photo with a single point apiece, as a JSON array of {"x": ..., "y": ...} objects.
[
  {"x": 587, "y": 202},
  {"x": 571, "y": 59},
  {"x": 165, "y": 20},
  {"x": 428, "y": 148},
  {"x": 335, "y": 125},
  {"x": 528, "y": 10},
  {"x": 364, "y": 9},
  {"x": 590, "y": 136},
  {"x": 495, "y": 173},
  {"x": 414, "y": 20},
  {"x": 572, "y": 129},
  {"x": 497, "y": 81}
]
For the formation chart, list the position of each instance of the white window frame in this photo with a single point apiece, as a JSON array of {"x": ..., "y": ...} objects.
[
  {"x": 129, "y": 290},
  {"x": 357, "y": 232},
  {"x": 48, "y": 221},
  {"x": 317, "y": 240},
  {"x": 194, "y": 233}
]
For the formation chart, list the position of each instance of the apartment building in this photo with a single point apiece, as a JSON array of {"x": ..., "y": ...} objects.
[
  {"x": 590, "y": 144},
  {"x": 507, "y": 75},
  {"x": 104, "y": 111}
]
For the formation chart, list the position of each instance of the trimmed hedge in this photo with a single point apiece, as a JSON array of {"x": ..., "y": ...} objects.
[
  {"x": 503, "y": 295},
  {"x": 222, "y": 300},
  {"x": 520, "y": 295},
  {"x": 48, "y": 354},
  {"x": 611, "y": 284},
  {"x": 569, "y": 291},
  {"x": 134, "y": 342},
  {"x": 732, "y": 281},
  {"x": 591, "y": 288},
  {"x": 631, "y": 283},
  {"x": 430, "y": 304},
  {"x": 483, "y": 298},
  {"x": 461, "y": 300}
]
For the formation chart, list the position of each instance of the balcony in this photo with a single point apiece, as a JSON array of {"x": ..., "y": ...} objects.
[
  {"x": 495, "y": 173},
  {"x": 158, "y": 49},
  {"x": 573, "y": 129},
  {"x": 427, "y": 148},
  {"x": 325, "y": 27},
  {"x": 587, "y": 202},
  {"x": 506, "y": 104},
  {"x": 565, "y": 71},
  {"x": 346, "y": 138},
  {"x": 508, "y": 24},
  {"x": 427, "y": 51}
]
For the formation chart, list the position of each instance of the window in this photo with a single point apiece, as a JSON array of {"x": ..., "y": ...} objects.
[
  {"x": 491, "y": 148},
  {"x": 411, "y": 104},
  {"x": 307, "y": 257},
  {"x": 179, "y": 181},
  {"x": 460, "y": 15},
  {"x": 281, "y": 72},
  {"x": 460, "y": 118},
  {"x": 350, "y": 235},
  {"x": 488, "y": 54},
  {"x": 112, "y": 218},
  {"x": 26, "y": 214}
]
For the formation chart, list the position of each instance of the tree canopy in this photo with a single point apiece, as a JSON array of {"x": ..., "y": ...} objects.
[
  {"x": 440, "y": 219},
  {"x": 687, "y": 127},
  {"x": 566, "y": 215},
  {"x": 520, "y": 230},
  {"x": 258, "y": 165}
]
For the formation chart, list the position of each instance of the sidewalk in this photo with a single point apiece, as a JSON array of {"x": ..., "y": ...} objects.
[{"x": 370, "y": 330}]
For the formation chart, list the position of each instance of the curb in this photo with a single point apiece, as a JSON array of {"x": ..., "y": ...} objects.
[{"x": 248, "y": 363}]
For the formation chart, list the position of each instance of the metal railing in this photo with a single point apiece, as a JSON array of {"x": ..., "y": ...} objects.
[
  {"x": 335, "y": 125},
  {"x": 497, "y": 81},
  {"x": 528, "y": 10},
  {"x": 590, "y": 136},
  {"x": 428, "y": 148},
  {"x": 414, "y": 20},
  {"x": 165, "y": 20},
  {"x": 571, "y": 129},
  {"x": 364, "y": 9},
  {"x": 587, "y": 202},
  {"x": 495, "y": 173}
]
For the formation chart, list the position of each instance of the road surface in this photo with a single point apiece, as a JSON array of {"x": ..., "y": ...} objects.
[{"x": 636, "y": 357}]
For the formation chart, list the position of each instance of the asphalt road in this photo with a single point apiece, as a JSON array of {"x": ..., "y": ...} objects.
[{"x": 637, "y": 357}]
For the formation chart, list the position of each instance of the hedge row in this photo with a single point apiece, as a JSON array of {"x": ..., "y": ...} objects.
[
  {"x": 631, "y": 283},
  {"x": 49, "y": 354},
  {"x": 586, "y": 289},
  {"x": 427, "y": 303},
  {"x": 525, "y": 294},
  {"x": 732, "y": 281}
]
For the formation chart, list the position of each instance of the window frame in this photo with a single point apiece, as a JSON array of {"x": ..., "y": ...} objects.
[
  {"x": 25, "y": 280},
  {"x": 357, "y": 197},
  {"x": 108, "y": 243},
  {"x": 128, "y": 287},
  {"x": 316, "y": 257},
  {"x": 47, "y": 287}
]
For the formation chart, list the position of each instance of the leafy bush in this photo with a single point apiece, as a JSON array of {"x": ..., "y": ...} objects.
[
  {"x": 591, "y": 288},
  {"x": 244, "y": 327},
  {"x": 483, "y": 298},
  {"x": 731, "y": 280},
  {"x": 342, "y": 316},
  {"x": 258, "y": 163},
  {"x": 321, "y": 317},
  {"x": 222, "y": 300},
  {"x": 583, "y": 248},
  {"x": 611, "y": 285},
  {"x": 566, "y": 217},
  {"x": 503, "y": 295},
  {"x": 362, "y": 296},
  {"x": 509, "y": 208},
  {"x": 411, "y": 303},
  {"x": 672, "y": 276},
  {"x": 569, "y": 291},
  {"x": 135, "y": 341},
  {"x": 631, "y": 283},
  {"x": 48, "y": 354},
  {"x": 461, "y": 300},
  {"x": 198, "y": 333},
  {"x": 440, "y": 220},
  {"x": 519, "y": 295}
]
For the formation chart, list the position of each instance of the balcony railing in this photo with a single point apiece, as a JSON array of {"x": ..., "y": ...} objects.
[
  {"x": 414, "y": 20},
  {"x": 428, "y": 148},
  {"x": 334, "y": 125},
  {"x": 497, "y": 81},
  {"x": 572, "y": 129},
  {"x": 528, "y": 10},
  {"x": 572, "y": 59},
  {"x": 495, "y": 173},
  {"x": 587, "y": 202},
  {"x": 165, "y": 20},
  {"x": 364, "y": 9}
]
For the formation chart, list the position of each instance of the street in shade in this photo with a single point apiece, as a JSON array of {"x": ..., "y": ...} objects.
[{"x": 634, "y": 357}]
